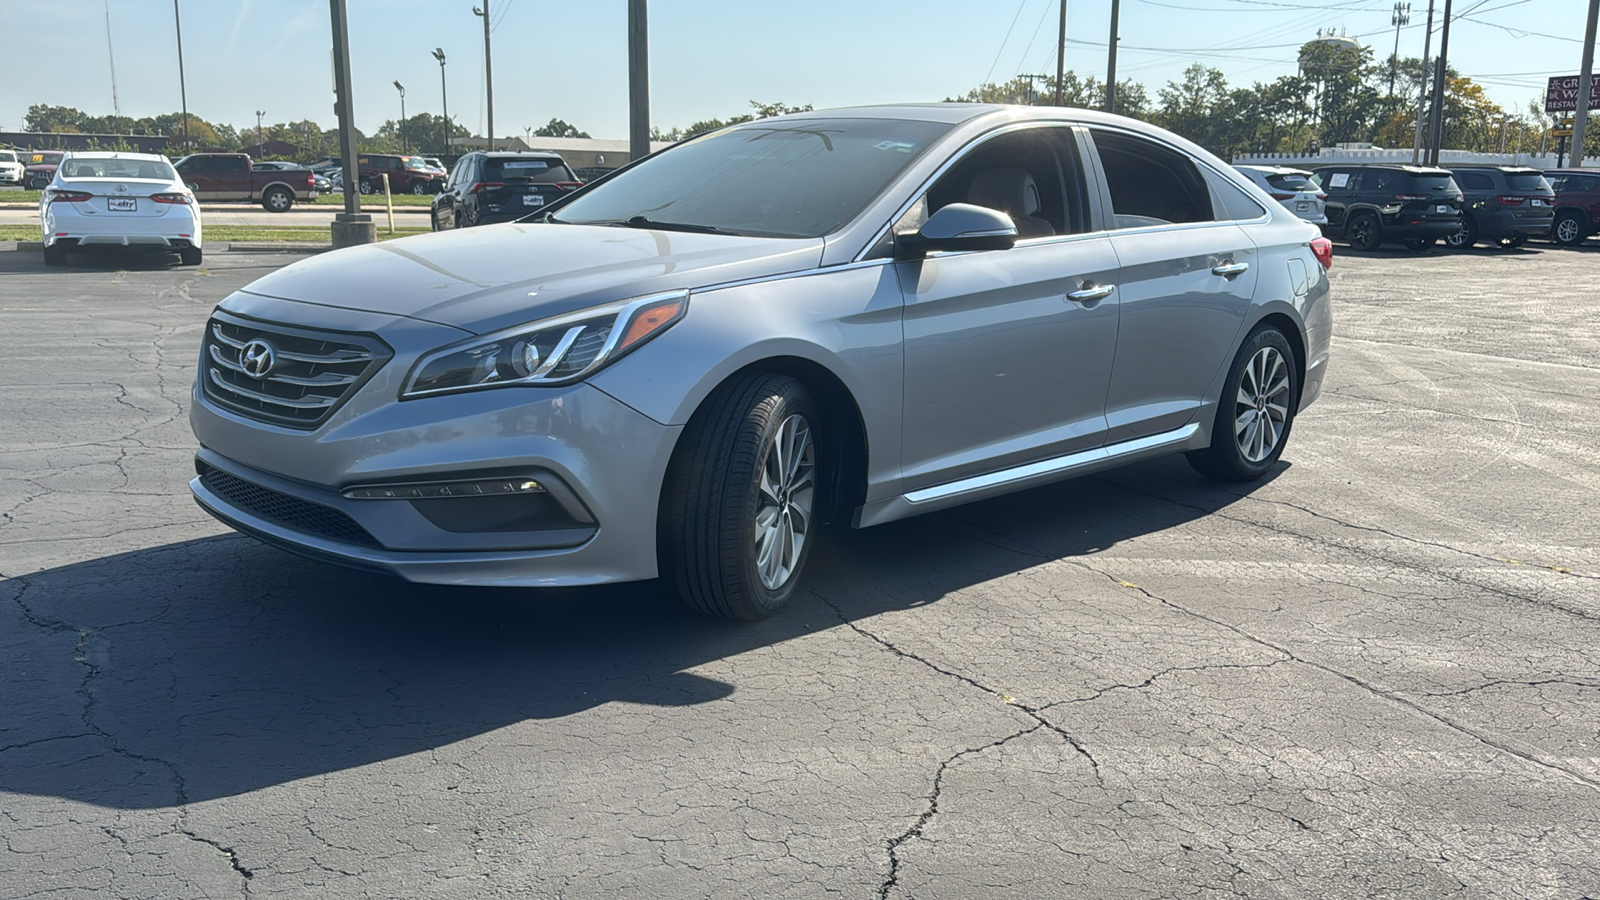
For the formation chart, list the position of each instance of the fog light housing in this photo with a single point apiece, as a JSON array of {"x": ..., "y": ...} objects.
[{"x": 445, "y": 490}]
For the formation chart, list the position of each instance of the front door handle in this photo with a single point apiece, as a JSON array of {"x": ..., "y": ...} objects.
[
  {"x": 1091, "y": 292},
  {"x": 1230, "y": 269}
]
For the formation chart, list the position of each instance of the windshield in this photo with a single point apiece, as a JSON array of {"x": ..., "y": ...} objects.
[
  {"x": 110, "y": 167},
  {"x": 1526, "y": 181},
  {"x": 7, "y": 156},
  {"x": 770, "y": 178},
  {"x": 1291, "y": 182},
  {"x": 536, "y": 171}
]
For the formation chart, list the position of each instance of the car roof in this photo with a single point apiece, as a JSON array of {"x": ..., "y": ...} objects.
[
  {"x": 1584, "y": 170},
  {"x": 1403, "y": 167},
  {"x": 1275, "y": 170},
  {"x": 112, "y": 154},
  {"x": 1496, "y": 166},
  {"x": 520, "y": 154}
]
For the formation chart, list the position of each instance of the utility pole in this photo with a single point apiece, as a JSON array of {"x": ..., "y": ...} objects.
[
  {"x": 438, "y": 53},
  {"x": 259, "y": 138},
  {"x": 488, "y": 68},
  {"x": 1061, "y": 53},
  {"x": 638, "y": 80},
  {"x": 405, "y": 146},
  {"x": 1111, "y": 61},
  {"x": 352, "y": 226},
  {"x": 1422, "y": 99},
  {"x": 1436, "y": 137},
  {"x": 183, "y": 91},
  {"x": 1580, "y": 117},
  {"x": 1401, "y": 17}
]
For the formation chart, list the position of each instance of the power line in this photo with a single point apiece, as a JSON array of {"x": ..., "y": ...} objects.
[{"x": 1003, "y": 42}]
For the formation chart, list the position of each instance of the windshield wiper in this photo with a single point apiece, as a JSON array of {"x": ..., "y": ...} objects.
[{"x": 645, "y": 222}]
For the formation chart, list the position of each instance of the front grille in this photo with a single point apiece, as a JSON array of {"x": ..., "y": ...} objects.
[
  {"x": 311, "y": 374},
  {"x": 288, "y": 511}
]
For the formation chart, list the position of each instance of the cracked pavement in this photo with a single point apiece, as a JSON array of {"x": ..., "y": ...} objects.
[{"x": 1373, "y": 675}]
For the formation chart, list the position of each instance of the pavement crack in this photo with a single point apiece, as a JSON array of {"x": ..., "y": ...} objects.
[{"x": 232, "y": 855}]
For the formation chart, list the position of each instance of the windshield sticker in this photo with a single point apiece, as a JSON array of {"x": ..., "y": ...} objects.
[
  {"x": 1340, "y": 179},
  {"x": 536, "y": 164},
  {"x": 897, "y": 146}
]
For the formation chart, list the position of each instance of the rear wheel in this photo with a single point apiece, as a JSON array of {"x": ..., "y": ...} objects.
[
  {"x": 740, "y": 503},
  {"x": 190, "y": 256},
  {"x": 1569, "y": 230},
  {"x": 1466, "y": 236},
  {"x": 1256, "y": 411},
  {"x": 55, "y": 255},
  {"x": 277, "y": 199},
  {"x": 366, "y": 186},
  {"x": 1365, "y": 232}
]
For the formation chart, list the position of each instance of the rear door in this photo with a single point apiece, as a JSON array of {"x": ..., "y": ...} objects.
[
  {"x": 231, "y": 178},
  {"x": 1340, "y": 185},
  {"x": 1187, "y": 278}
]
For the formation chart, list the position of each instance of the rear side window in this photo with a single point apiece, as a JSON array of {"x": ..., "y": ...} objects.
[
  {"x": 1474, "y": 181},
  {"x": 532, "y": 171},
  {"x": 1291, "y": 182},
  {"x": 1527, "y": 181},
  {"x": 1150, "y": 184}
]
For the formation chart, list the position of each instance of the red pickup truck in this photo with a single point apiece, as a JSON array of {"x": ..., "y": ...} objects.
[{"x": 230, "y": 176}]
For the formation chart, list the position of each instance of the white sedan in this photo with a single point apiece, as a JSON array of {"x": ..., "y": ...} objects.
[{"x": 118, "y": 199}]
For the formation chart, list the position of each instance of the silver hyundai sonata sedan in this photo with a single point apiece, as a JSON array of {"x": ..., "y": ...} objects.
[{"x": 682, "y": 369}]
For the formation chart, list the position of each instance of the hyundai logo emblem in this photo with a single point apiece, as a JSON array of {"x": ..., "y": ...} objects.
[{"x": 257, "y": 359}]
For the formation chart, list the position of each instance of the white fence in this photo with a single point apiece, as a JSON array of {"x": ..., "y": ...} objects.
[{"x": 1333, "y": 156}]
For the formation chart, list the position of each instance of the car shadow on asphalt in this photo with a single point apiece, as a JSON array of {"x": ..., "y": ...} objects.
[
  {"x": 94, "y": 259},
  {"x": 214, "y": 667}
]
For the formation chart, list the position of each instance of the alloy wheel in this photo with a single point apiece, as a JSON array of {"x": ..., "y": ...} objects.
[
  {"x": 787, "y": 490},
  {"x": 1261, "y": 408},
  {"x": 1567, "y": 230}
]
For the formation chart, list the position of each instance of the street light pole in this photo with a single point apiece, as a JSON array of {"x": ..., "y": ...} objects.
[
  {"x": 1580, "y": 116},
  {"x": 1401, "y": 18},
  {"x": 183, "y": 91},
  {"x": 1061, "y": 52},
  {"x": 638, "y": 80},
  {"x": 351, "y": 226},
  {"x": 259, "y": 139},
  {"x": 1422, "y": 94},
  {"x": 438, "y": 53},
  {"x": 1436, "y": 138},
  {"x": 488, "y": 68},
  {"x": 404, "y": 146},
  {"x": 1111, "y": 62}
]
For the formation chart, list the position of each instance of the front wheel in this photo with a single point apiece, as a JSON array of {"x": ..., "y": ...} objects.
[
  {"x": 419, "y": 187},
  {"x": 741, "y": 496},
  {"x": 277, "y": 200},
  {"x": 1256, "y": 411},
  {"x": 365, "y": 186}
]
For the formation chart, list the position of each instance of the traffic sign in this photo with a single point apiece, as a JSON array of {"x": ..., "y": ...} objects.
[{"x": 1561, "y": 132}]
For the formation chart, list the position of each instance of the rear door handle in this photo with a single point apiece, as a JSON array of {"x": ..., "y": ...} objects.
[
  {"x": 1091, "y": 293},
  {"x": 1230, "y": 269}
]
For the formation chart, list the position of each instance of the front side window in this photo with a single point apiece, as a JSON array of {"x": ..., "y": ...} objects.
[
  {"x": 1150, "y": 184},
  {"x": 1031, "y": 175},
  {"x": 770, "y": 178}
]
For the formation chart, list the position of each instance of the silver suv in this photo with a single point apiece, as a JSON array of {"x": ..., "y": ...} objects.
[{"x": 850, "y": 316}]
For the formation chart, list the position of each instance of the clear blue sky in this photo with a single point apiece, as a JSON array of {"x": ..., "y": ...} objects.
[{"x": 709, "y": 58}]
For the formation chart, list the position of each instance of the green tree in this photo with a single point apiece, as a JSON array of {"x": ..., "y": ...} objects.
[
  {"x": 62, "y": 119},
  {"x": 1197, "y": 107},
  {"x": 558, "y": 129}
]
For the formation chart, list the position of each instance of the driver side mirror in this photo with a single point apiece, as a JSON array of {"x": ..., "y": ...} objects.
[
  {"x": 191, "y": 186},
  {"x": 959, "y": 226}
]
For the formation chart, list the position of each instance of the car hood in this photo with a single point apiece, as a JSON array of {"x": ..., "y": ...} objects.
[{"x": 496, "y": 276}]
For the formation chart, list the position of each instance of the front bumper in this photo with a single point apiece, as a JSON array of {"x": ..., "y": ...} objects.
[{"x": 604, "y": 463}]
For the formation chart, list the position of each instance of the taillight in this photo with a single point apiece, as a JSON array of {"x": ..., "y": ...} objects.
[
  {"x": 1510, "y": 201},
  {"x": 1322, "y": 249},
  {"x": 1322, "y": 196},
  {"x": 482, "y": 186},
  {"x": 180, "y": 199},
  {"x": 70, "y": 196},
  {"x": 569, "y": 185},
  {"x": 1280, "y": 196}
]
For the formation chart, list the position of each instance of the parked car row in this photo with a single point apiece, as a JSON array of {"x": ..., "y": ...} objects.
[{"x": 1369, "y": 205}]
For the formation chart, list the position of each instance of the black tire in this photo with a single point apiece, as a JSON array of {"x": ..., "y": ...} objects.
[
  {"x": 418, "y": 186},
  {"x": 55, "y": 255},
  {"x": 365, "y": 186},
  {"x": 190, "y": 256},
  {"x": 1234, "y": 454},
  {"x": 1365, "y": 232},
  {"x": 1467, "y": 236},
  {"x": 433, "y": 220},
  {"x": 1569, "y": 229},
  {"x": 1419, "y": 244},
  {"x": 277, "y": 199},
  {"x": 714, "y": 503}
]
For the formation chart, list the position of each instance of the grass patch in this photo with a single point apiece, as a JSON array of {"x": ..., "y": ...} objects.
[
  {"x": 231, "y": 233},
  {"x": 372, "y": 202},
  {"x": 29, "y": 197}
]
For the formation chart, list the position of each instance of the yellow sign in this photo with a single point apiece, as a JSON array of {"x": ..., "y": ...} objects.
[{"x": 1561, "y": 132}]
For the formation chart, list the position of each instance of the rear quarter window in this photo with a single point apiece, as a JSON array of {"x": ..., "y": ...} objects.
[
  {"x": 1425, "y": 184},
  {"x": 1527, "y": 181}
]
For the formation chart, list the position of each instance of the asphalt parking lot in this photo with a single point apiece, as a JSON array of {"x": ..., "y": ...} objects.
[{"x": 1373, "y": 675}]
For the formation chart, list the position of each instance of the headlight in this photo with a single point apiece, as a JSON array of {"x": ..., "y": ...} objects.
[{"x": 553, "y": 351}]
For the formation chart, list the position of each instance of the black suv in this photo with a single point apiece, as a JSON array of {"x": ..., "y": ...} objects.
[
  {"x": 1503, "y": 205},
  {"x": 1394, "y": 204},
  {"x": 500, "y": 187}
]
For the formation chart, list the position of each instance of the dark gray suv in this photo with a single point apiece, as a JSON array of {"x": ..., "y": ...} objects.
[
  {"x": 1502, "y": 205},
  {"x": 1391, "y": 204}
]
